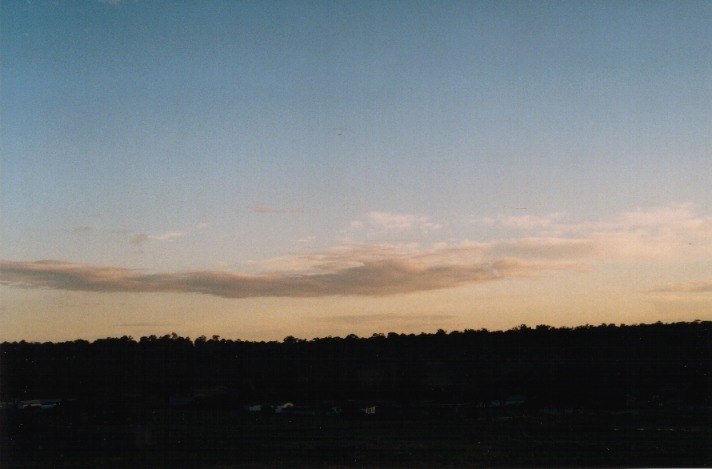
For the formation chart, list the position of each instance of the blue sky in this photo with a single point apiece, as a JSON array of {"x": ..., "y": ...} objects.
[{"x": 282, "y": 140}]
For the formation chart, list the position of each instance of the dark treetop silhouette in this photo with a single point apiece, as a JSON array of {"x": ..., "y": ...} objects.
[{"x": 656, "y": 371}]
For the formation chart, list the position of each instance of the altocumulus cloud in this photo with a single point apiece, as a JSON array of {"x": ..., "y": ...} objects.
[{"x": 373, "y": 278}]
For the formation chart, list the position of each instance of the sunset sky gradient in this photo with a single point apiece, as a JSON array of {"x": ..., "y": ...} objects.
[{"x": 262, "y": 169}]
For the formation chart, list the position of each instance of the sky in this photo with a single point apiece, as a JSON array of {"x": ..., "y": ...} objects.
[{"x": 259, "y": 169}]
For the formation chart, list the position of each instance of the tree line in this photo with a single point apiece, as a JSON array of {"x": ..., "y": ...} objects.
[{"x": 611, "y": 366}]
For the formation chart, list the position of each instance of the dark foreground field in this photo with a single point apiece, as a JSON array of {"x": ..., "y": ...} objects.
[
  {"x": 591, "y": 396},
  {"x": 215, "y": 438}
]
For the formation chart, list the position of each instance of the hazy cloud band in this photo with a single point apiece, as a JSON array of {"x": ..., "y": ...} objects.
[{"x": 377, "y": 278}]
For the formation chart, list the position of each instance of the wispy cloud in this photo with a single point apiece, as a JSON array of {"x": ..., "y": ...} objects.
[
  {"x": 144, "y": 324},
  {"x": 386, "y": 221},
  {"x": 169, "y": 236},
  {"x": 522, "y": 222},
  {"x": 377, "y": 278},
  {"x": 306, "y": 241},
  {"x": 660, "y": 234},
  {"x": 338, "y": 258},
  {"x": 681, "y": 214},
  {"x": 138, "y": 240},
  {"x": 672, "y": 232},
  {"x": 685, "y": 287},
  {"x": 356, "y": 319},
  {"x": 665, "y": 234},
  {"x": 673, "y": 214}
]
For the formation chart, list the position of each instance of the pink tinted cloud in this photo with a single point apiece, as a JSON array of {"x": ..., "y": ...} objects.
[
  {"x": 386, "y": 221},
  {"x": 685, "y": 287},
  {"x": 139, "y": 239},
  {"x": 672, "y": 232},
  {"x": 375, "y": 278}
]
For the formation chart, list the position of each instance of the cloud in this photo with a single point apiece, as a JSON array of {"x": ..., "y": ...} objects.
[
  {"x": 683, "y": 298},
  {"x": 386, "y": 221},
  {"x": 556, "y": 253},
  {"x": 169, "y": 236},
  {"x": 337, "y": 258},
  {"x": 545, "y": 248},
  {"x": 673, "y": 214},
  {"x": 144, "y": 324},
  {"x": 357, "y": 319},
  {"x": 260, "y": 208},
  {"x": 672, "y": 232},
  {"x": 306, "y": 241},
  {"x": 139, "y": 239},
  {"x": 82, "y": 229},
  {"x": 549, "y": 253},
  {"x": 372, "y": 278},
  {"x": 685, "y": 287},
  {"x": 524, "y": 222},
  {"x": 675, "y": 233}
]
